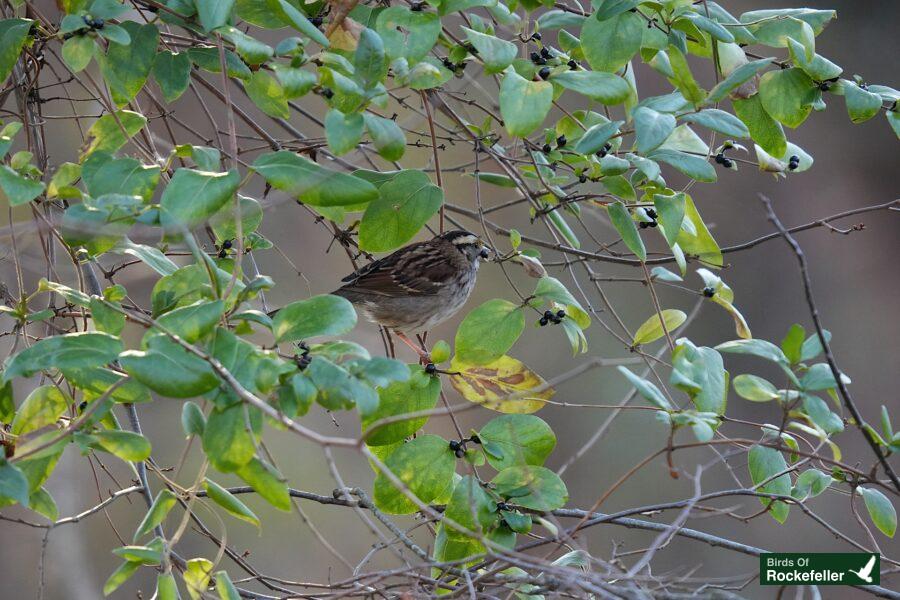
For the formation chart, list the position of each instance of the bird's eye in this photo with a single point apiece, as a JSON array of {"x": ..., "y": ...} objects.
[{"x": 484, "y": 253}]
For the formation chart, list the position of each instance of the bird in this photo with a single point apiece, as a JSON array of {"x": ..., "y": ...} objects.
[
  {"x": 866, "y": 572},
  {"x": 418, "y": 286}
]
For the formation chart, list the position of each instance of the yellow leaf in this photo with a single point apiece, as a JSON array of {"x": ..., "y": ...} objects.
[
  {"x": 505, "y": 385},
  {"x": 740, "y": 325},
  {"x": 652, "y": 329}
]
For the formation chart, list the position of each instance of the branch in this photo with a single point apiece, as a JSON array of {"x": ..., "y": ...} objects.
[{"x": 814, "y": 312}]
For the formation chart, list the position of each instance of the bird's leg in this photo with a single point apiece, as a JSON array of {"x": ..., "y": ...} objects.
[{"x": 424, "y": 356}]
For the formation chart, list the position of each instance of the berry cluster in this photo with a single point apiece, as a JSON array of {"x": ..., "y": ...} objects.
[
  {"x": 552, "y": 317},
  {"x": 604, "y": 150},
  {"x": 91, "y": 25},
  {"x": 459, "y": 448},
  {"x": 709, "y": 291},
  {"x": 645, "y": 224},
  {"x": 226, "y": 246},
  {"x": 793, "y": 162},
  {"x": 724, "y": 160},
  {"x": 303, "y": 359},
  {"x": 455, "y": 67}
]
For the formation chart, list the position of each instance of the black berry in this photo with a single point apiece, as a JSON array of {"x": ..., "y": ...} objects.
[
  {"x": 573, "y": 65},
  {"x": 548, "y": 314},
  {"x": 97, "y": 23},
  {"x": 643, "y": 224},
  {"x": 546, "y": 53},
  {"x": 227, "y": 244},
  {"x": 536, "y": 36},
  {"x": 720, "y": 158},
  {"x": 544, "y": 321},
  {"x": 417, "y": 6},
  {"x": 223, "y": 253},
  {"x": 824, "y": 86},
  {"x": 454, "y": 446},
  {"x": 546, "y": 148},
  {"x": 316, "y": 21},
  {"x": 502, "y": 506},
  {"x": 82, "y": 406},
  {"x": 544, "y": 73},
  {"x": 475, "y": 439},
  {"x": 430, "y": 368},
  {"x": 582, "y": 178},
  {"x": 651, "y": 224},
  {"x": 561, "y": 141},
  {"x": 560, "y": 314},
  {"x": 607, "y": 146},
  {"x": 727, "y": 162},
  {"x": 709, "y": 292},
  {"x": 535, "y": 57},
  {"x": 651, "y": 213}
]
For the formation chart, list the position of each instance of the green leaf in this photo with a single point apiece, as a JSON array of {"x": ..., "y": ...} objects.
[
  {"x": 229, "y": 502},
  {"x": 310, "y": 183},
  {"x": 881, "y": 511},
  {"x": 166, "y": 588},
  {"x": 369, "y": 61},
  {"x": 786, "y": 95},
  {"x": 605, "y": 88},
  {"x": 651, "y": 128},
  {"x": 168, "y": 369},
  {"x": 267, "y": 482},
  {"x": 172, "y": 72},
  {"x": 194, "y": 321},
  {"x": 192, "y": 420},
  {"x": 670, "y": 214},
  {"x": 517, "y": 440},
  {"x": 143, "y": 555},
  {"x": 471, "y": 507},
  {"x": 319, "y": 315},
  {"x": 698, "y": 242},
  {"x": 647, "y": 389},
  {"x": 122, "y": 574},
  {"x": 225, "y": 588},
  {"x": 43, "y": 503},
  {"x": 128, "y": 446},
  {"x": 533, "y": 487},
  {"x": 405, "y": 204},
  {"x": 624, "y": 224},
  {"x": 735, "y": 79},
  {"x": 70, "y": 351},
  {"x": 810, "y": 484},
  {"x": 13, "y": 33},
  {"x": 18, "y": 188},
  {"x": 695, "y": 167},
  {"x": 683, "y": 79},
  {"x": 760, "y": 348},
  {"x": 78, "y": 52},
  {"x": 207, "y": 58},
  {"x": 765, "y": 463},
  {"x": 496, "y": 54},
  {"x": 818, "y": 412},
  {"x": 226, "y": 440},
  {"x": 387, "y": 137},
  {"x": 719, "y": 120},
  {"x": 764, "y": 130},
  {"x": 755, "y": 389},
  {"x": 489, "y": 331},
  {"x": 609, "y": 44},
  {"x": 792, "y": 343},
  {"x": 192, "y": 196},
  {"x": 812, "y": 346},
  {"x": 408, "y": 34},
  {"x": 596, "y": 137},
  {"x": 700, "y": 373},
  {"x": 298, "y": 21},
  {"x": 213, "y": 13},
  {"x": 424, "y": 465},
  {"x": 161, "y": 506},
  {"x": 125, "y": 67},
  {"x": 862, "y": 104},
  {"x": 523, "y": 104},
  {"x": 343, "y": 132},
  {"x": 13, "y": 484},
  {"x": 223, "y": 222},
  {"x": 652, "y": 329},
  {"x": 267, "y": 94},
  {"x": 43, "y": 406},
  {"x": 111, "y": 132},
  {"x": 399, "y": 398}
]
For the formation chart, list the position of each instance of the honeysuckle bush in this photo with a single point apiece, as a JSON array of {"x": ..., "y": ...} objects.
[{"x": 555, "y": 118}]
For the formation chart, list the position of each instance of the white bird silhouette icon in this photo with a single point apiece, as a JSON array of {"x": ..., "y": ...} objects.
[{"x": 866, "y": 572}]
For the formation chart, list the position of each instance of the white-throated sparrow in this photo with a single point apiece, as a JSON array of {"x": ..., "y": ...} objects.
[{"x": 419, "y": 285}]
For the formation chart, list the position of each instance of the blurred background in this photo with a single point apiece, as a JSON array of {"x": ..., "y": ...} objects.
[{"x": 854, "y": 278}]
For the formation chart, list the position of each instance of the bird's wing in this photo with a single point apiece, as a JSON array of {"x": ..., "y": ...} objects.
[
  {"x": 866, "y": 570},
  {"x": 417, "y": 270}
]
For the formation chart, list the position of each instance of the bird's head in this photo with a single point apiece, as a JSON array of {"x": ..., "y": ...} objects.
[{"x": 468, "y": 243}]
